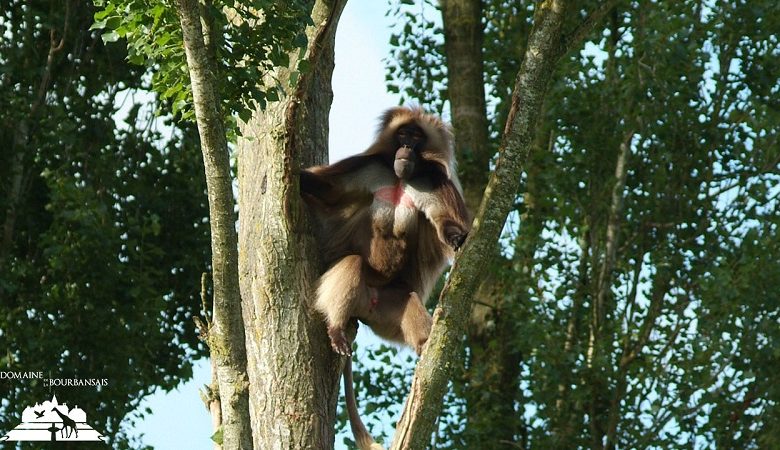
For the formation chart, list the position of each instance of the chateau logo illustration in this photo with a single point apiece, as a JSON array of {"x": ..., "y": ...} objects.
[{"x": 52, "y": 421}]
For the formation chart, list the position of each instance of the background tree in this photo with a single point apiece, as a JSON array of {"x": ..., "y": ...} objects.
[
  {"x": 655, "y": 168},
  {"x": 103, "y": 238},
  {"x": 631, "y": 299},
  {"x": 278, "y": 86}
]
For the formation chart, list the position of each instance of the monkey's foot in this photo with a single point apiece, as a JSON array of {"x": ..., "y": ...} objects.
[{"x": 339, "y": 342}]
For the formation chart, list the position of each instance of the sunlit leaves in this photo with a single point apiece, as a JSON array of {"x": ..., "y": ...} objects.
[
  {"x": 416, "y": 67},
  {"x": 250, "y": 39}
]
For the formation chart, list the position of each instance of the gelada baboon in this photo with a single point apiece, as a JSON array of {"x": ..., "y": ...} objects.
[{"x": 390, "y": 219}]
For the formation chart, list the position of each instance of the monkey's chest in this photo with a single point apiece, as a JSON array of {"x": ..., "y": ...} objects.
[
  {"x": 394, "y": 196},
  {"x": 394, "y": 211},
  {"x": 393, "y": 230}
]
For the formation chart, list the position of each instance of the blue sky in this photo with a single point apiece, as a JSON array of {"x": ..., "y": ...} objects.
[{"x": 179, "y": 418}]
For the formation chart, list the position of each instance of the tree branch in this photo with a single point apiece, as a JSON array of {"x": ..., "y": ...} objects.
[
  {"x": 21, "y": 138},
  {"x": 450, "y": 318},
  {"x": 604, "y": 283},
  {"x": 226, "y": 334},
  {"x": 586, "y": 26},
  {"x": 546, "y": 45}
]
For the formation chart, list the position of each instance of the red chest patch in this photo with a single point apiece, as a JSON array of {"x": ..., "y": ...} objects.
[{"x": 395, "y": 195}]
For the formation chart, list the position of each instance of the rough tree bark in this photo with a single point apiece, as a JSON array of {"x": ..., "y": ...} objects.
[
  {"x": 226, "y": 333},
  {"x": 292, "y": 371},
  {"x": 546, "y": 44}
]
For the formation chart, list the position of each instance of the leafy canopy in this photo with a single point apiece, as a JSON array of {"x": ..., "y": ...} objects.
[{"x": 247, "y": 40}]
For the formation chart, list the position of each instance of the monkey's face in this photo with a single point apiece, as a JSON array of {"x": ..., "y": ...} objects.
[
  {"x": 405, "y": 160},
  {"x": 410, "y": 135},
  {"x": 410, "y": 139}
]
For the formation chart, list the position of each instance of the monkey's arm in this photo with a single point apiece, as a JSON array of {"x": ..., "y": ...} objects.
[
  {"x": 328, "y": 185},
  {"x": 446, "y": 210}
]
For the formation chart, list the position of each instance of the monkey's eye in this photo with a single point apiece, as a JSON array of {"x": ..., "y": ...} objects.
[{"x": 410, "y": 135}]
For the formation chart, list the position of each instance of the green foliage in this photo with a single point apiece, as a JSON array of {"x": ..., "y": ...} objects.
[
  {"x": 507, "y": 23},
  {"x": 415, "y": 67},
  {"x": 217, "y": 436},
  {"x": 100, "y": 270},
  {"x": 248, "y": 39},
  {"x": 684, "y": 355}
]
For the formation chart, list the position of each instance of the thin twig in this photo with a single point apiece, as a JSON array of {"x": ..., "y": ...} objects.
[{"x": 575, "y": 37}]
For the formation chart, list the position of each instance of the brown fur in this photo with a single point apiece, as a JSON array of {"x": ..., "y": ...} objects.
[{"x": 390, "y": 219}]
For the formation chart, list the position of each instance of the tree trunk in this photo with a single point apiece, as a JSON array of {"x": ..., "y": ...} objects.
[
  {"x": 463, "y": 36},
  {"x": 21, "y": 140},
  {"x": 293, "y": 373},
  {"x": 226, "y": 334},
  {"x": 598, "y": 337}
]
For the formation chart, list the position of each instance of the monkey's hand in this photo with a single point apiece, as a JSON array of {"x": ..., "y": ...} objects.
[
  {"x": 339, "y": 342},
  {"x": 455, "y": 235}
]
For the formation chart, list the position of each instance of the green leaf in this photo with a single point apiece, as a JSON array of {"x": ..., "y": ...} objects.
[
  {"x": 245, "y": 114},
  {"x": 100, "y": 15},
  {"x": 136, "y": 59},
  {"x": 294, "y": 76},
  {"x": 157, "y": 11},
  {"x": 217, "y": 436},
  {"x": 300, "y": 40},
  {"x": 162, "y": 40},
  {"x": 113, "y": 22},
  {"x": 178, "y": 106},
  {"x": 171, "y": 91},
  {"x": 111, "y": 36},
  {"x": 98, "y": 25}
]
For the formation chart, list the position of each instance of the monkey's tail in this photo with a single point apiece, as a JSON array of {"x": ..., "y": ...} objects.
[{"x": 362, "y": 437}]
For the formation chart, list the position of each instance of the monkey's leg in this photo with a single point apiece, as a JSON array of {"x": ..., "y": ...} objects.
[
  {"x": 341, "y": 294},
  {"x": 416, "y": 323},
  {"x": 399, "y": 315}
]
